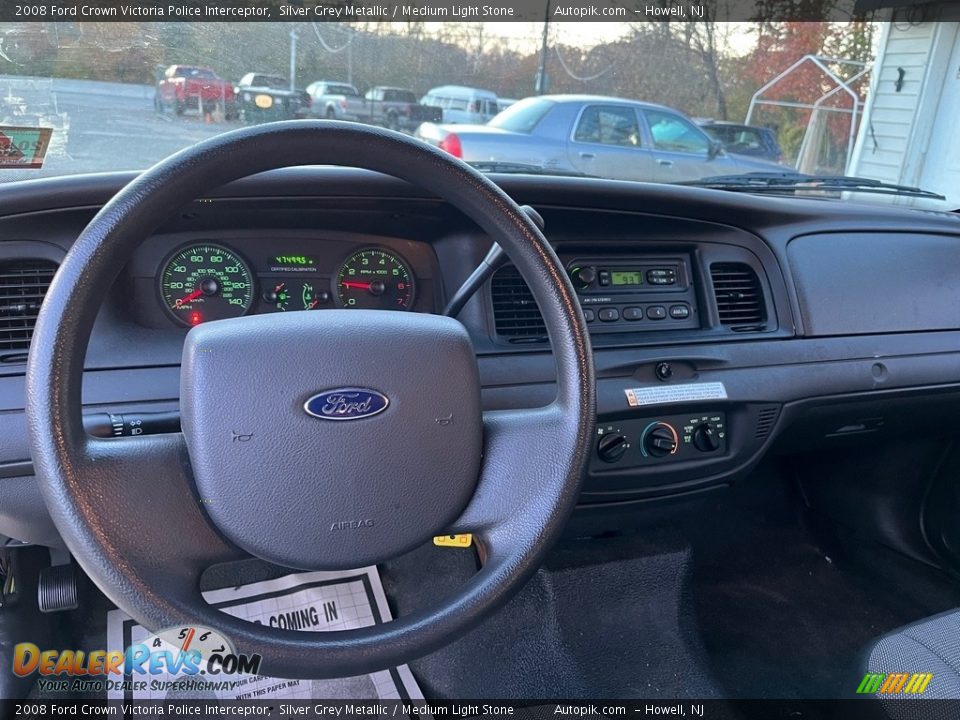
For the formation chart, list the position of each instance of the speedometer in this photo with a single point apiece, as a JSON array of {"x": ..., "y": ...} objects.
[
  {"x": 206, "y": 282},
  {"x": 375, "y": 279}
]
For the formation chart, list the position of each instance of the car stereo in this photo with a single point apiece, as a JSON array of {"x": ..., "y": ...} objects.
[{"x": 635, "y": 294}]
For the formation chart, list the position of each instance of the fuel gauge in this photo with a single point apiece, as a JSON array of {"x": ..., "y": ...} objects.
[{"x": 278, "y": 296}]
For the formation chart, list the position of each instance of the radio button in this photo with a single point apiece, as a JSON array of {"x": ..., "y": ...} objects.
[
  {"x": 662, "y": 276},
  {"x": 679, "y": 312},
  {"x": 656, "y": 312},
  {"x": 604, "y": 277},
  {"x": 609, "y": 315},
  {"x": 588, "y": 315},
  {"x": 633, "y": 313}
]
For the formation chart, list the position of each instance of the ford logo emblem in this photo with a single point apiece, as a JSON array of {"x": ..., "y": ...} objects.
[{"x": 346, "y": 404}]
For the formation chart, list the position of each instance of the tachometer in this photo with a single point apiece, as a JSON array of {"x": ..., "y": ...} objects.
[
  {"x": 375, "y": 279},
  {"x": 206, "y": 282}
]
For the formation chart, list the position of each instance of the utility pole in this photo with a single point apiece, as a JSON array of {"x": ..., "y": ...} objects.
[
  {"x": 541, "y": 82},
  {"x": 350, "y": 34},
  {"x": 293, "y": 60}
]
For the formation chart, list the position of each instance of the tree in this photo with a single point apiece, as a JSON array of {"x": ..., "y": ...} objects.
[{"x": 703, "y": 37}]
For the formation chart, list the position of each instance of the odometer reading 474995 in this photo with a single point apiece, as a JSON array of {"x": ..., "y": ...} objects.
[
  {"x": 375, "y": 279},
  {"x": 206, "y": 282}
]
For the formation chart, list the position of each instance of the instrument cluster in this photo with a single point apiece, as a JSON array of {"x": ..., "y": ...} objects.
[{"x": 203, "y": 280}]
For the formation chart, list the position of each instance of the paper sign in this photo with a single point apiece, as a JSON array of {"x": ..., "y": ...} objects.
[{"x": 23, "y": 147}]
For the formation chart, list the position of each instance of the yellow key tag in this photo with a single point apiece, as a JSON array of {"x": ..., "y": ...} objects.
[{"x": 457, "y": 541}]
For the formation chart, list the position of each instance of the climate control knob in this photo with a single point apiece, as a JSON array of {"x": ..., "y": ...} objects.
[
  {"x": 706, "y": 438},
  {"x": 611, "y": 447},
  {"x": 660, "y": 440}
]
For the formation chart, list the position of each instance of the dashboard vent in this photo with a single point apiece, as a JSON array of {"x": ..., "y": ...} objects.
[
  {"x": 739, "y": 297},
  {"x": 766, "y": 419},
  {"x": 515, "y": 312},
  {"x": 23, "y": 284}
]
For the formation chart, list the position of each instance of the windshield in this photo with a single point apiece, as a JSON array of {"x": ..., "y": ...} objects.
[
  {"x": 643, "y": 100},
  {"x": 341, "y": 90},
  {"x": 522, "y": 117},
  {"x": 404, "y": 96},
  {"x": 270, "y": 81},
  {"x": 192, "y": 72}
]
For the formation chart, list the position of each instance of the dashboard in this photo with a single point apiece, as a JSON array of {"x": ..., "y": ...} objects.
[{"x": 726, "y": 328}]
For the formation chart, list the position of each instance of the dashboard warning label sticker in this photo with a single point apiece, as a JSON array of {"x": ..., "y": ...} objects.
[
  {"x": 23, "y": 147},
  {"x": 668, "y": 394}
]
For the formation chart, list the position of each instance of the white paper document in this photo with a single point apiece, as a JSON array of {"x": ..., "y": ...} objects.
[{"x": 313, "y": 601}]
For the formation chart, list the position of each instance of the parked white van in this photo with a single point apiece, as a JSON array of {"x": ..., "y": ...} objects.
[{"x": 464, "y": 105}]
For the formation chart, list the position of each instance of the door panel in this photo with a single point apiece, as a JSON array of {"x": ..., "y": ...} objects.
[
  {"x": 607, "y": 142},
  {"x": 681, "y": 149}
]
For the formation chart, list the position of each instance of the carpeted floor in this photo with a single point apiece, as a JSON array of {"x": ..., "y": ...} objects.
[
  {"x": 607, "y": 618},
  {"x": 783, "y": 612}
]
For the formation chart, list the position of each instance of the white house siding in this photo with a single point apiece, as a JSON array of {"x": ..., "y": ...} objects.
[
  {"x": 888, "y": 120},
  {"x": 898, "y": 128}
]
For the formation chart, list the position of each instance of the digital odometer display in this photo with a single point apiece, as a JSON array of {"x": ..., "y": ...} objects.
[
  {"x": 206, "y": 282},
  {"x": 292, "y": 261},
  {"x": 375, "y": 279},
  {"x": 626, "y": 277}
]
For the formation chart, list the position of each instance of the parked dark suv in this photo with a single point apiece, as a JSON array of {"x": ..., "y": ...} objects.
[{"x": 750, "y": 140}]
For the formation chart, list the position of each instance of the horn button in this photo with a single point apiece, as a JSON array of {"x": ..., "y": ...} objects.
[{"x": 332, "y": 439}]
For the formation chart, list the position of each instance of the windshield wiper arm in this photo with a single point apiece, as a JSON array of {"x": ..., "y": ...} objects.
[{"x": 792, "y": 182}]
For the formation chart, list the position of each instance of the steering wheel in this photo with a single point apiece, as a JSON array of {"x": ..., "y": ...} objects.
[{"x": 145, "y": 516}]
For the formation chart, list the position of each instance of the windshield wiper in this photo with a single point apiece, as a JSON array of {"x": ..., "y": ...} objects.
[
  {"x": 793, "y": 182},
  {"x": 495, "y": 166}
]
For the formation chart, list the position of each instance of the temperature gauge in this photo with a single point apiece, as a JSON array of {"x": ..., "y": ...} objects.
[{"x": 311, "y": 298}]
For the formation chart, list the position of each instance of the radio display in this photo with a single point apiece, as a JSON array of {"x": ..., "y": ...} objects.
[{"x": 626, "y": 277}]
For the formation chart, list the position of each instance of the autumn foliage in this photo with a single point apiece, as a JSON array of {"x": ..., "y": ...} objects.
[{"x": 778, "y": 47}]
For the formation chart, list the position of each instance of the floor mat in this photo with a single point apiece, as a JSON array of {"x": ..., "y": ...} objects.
[
  {"x": 315, "y": 601},
  {"x": 783, "y": 614},
  {"x": 604, "y": 618}
]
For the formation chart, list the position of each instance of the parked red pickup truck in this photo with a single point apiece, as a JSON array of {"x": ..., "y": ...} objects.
[{"x": 186, "y": 87}]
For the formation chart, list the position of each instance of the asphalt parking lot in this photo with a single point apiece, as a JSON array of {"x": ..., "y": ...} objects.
[{"x": 97, "y": 126}]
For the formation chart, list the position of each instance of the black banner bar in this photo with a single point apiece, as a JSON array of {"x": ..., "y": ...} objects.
[
  {"x": 182, "y": 707},
  {"x": 622, "y": 11}
]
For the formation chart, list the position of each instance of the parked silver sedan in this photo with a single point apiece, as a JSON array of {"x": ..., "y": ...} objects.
[{"x": 593, "y": 135}]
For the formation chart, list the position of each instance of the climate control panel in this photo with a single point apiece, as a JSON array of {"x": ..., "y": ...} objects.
[{"x": 671, "y": 438}]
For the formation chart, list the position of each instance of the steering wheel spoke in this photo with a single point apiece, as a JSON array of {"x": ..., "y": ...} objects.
[
  {"x": 521, "y": 452},
  {"x": 145, "y": 484}
]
